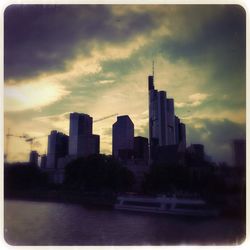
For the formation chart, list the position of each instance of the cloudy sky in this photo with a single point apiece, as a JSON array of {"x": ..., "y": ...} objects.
[{"x": 95, "y": 59}]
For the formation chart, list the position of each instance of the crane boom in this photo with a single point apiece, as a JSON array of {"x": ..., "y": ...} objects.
[
  {"x": 105, "y": 117},
  {"x": 8, "y": 135}
]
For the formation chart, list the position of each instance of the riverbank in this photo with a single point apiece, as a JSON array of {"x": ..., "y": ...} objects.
[
  {"x": 62, "y": 196},
  {"x": 229, "y": 205}
]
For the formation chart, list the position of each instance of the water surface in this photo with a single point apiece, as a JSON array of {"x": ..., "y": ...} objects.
[{"x": 47, "y": 223}]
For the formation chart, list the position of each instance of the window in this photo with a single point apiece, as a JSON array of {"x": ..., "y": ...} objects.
[
  {"x": 191, "y": 206},
  {"x": 142, "y": 204}
]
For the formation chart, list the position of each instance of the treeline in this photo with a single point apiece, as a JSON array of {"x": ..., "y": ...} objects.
[
  {"x": 206, "y": 180},
  {"x": 23, "y": 176},
  {"x": 94, "y": 173},
  {"x": 164, "y": 178},
  {"x": 98, "y": 173}
]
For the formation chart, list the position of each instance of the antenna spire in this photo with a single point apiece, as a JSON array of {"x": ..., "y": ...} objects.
[{"x": 153, "y": 68}]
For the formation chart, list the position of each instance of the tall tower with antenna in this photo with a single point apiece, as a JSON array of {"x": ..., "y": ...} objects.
[
  {"x": 151, "y": 79},
  {"x": 152, "y": 97},
  {"x": 153, "y": 68},
  {"x": 162, "y": 127}
]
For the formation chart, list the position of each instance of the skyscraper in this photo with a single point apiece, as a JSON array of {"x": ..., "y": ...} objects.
[
  {"x": 34, "y": 157},
  {"x": 141, "y": 148},
  {"x": 57, "y": 147},
  {"x": 81, "y": 140},
  {"x": 122, "y": 136},
  {"x": 239, "y": 152},
  {"x": 164, "y": 127},
  {"x": 180, "y": 134},
  {"x": 43, "y": 161}
]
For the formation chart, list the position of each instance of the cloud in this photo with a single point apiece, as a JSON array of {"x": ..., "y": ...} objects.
[
  {"x": 21, "y": 94},
  {"x": 206, "y": 46},
  {"x": 32, "y": 95},
  {"x": 106, "y": 81},
  {"x": 217, "y": 136},
  {"x": 99, "y": 61},
  {"x": 59, "y": 122},
  {"x": 195, "y": 100},
  {"x": 59, "y": 33},
  {"x": 198, "y": 97}
]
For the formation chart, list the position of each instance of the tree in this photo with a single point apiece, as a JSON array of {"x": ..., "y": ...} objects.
[
  {"x": 23, "y": 176},
  {"x": 97, "y": 173}
]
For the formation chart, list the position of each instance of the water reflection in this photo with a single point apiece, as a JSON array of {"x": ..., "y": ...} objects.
[{"x": 44, "y": 223}]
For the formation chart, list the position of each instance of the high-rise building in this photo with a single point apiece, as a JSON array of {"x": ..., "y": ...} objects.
[
  {"x": 239, "y": 152},
  {"x": 34, "y": 157},
  {"x": 177, "y": 128},
  {"x": 43, "y": 161},
  {"x": 141, "y": 148},
  {"x": 82, "y": 142},
  {"x": 122, "y": 137},
  {"x": 57, "y": 147},
  {"x": 197, "y": 151},
  {"x": 182, "y": 137},
  {"x": 164, "y": 127}
]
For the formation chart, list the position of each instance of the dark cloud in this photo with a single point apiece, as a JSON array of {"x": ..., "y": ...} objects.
[
  {"x": 217, "y": 136},
  {"x": 124, "y": 66},
  {"x": 219, "y": 42},
  {"x": 220, "y": 34},
  {"x": 38, "y": 38},
  {"x": 220, "y": 103}
]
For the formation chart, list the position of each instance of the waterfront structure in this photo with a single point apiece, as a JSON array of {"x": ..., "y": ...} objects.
[
  {"x": 82, "y": 141},
  {"x": 162, "y": 204},
  {"x": 164, "y": 127},
  {"x": 57, "y": 147},
  {"x": 239, "y": 152},
  {"x": 123, "y": 137},
  {"x": 34, "y": 157}
]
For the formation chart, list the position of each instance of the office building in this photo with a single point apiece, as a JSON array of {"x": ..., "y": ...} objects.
[
  {"x": 164, "y": 127},
  {"x": 239, "y": 152},
  {"x": 82, "y": 142},
  {"x": 182, "y": 137},
  {"x": 141, "y": 148},
  {"x": 43, "y": 161},
  {"x": 123, "y": 137},
  {"x": 197, "y": 151},
  {"x": 57, "y": 147},
  {"x": 34, "y": 157}
]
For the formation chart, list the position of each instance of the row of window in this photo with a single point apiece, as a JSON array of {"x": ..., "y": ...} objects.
[{"x": 167, "y": 206}]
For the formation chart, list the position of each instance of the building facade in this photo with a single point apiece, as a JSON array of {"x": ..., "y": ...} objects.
[
  {"x": 122, "y": 137},
  {"x": 164, "y": 127},
  {"x": 141, "y": 148},
  {"x": 82, "y": 141},
  {"x": 57, "y": 148},
  {"x": 34, "y": 157},
  {"x": 239, "y": 152}
]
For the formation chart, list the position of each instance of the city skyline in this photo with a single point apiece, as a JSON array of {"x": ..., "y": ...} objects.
[{"x": 98, "y": 63}]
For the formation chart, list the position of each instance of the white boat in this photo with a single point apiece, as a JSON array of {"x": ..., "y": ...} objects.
[{"x": 165, "y": 205}]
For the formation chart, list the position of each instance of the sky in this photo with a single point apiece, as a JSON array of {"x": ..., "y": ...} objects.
[{"x": 95, "y": 59}]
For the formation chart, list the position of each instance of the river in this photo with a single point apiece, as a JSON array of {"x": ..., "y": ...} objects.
[{"x": 48, "y": 223}]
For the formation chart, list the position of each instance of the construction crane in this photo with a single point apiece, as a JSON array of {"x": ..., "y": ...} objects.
[
  {"x": 8, "y": 135},
  {"x": 105, "y": 117},
  {"x": 31, "y": 140}
]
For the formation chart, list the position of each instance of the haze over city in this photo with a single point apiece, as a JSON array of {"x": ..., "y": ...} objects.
[{"x": 96, "y": 59}]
